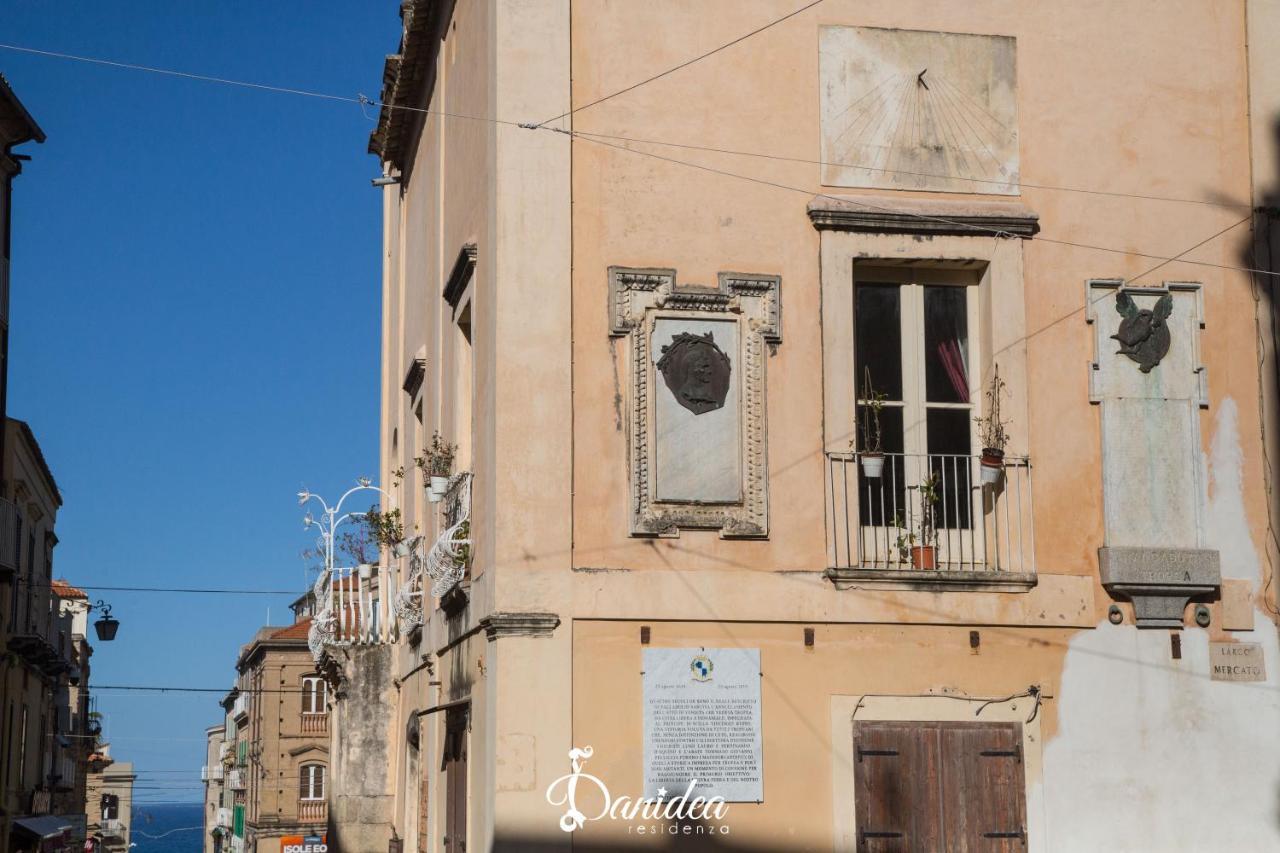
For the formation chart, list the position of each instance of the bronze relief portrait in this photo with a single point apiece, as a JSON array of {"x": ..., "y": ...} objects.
[{"x": 696, "y": 371}]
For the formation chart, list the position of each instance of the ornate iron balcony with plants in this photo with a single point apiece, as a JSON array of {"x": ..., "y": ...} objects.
[
  {"x": 944, "y": 519},
  {"x": 370, "y": 604}
]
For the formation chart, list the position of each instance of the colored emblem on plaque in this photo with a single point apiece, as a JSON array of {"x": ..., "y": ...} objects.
[{"x": 701, "y": 667}]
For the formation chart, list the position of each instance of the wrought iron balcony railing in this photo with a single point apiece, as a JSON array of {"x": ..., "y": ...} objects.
[
  {"x": 930, "y": 513},
  {"x": 368, "y": 605}
]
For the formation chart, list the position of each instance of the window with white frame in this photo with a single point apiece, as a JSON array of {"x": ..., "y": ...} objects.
[
  {"x": 914, "y": 340},
  {"x": 315, "y": 696},
  {"x": 311, "y": 782}
]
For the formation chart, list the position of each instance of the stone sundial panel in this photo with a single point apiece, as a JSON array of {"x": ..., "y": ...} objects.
[{"x": 915, "y": 110}]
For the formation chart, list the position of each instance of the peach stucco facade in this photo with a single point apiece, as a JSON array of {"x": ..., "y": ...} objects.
[{"x": 1137, "y": 137}]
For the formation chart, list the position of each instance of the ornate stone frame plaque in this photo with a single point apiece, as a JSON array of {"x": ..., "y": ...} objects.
[{"x": 639, "y": 299}]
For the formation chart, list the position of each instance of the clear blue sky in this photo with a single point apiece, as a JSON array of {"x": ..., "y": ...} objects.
[{"x": 194, "y": 320}]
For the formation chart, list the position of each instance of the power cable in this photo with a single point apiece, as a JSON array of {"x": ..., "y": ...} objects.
[
  {"x": 226, "y": 81},
  {"x": 684, "y": 64},
  {"x": 183, "y": 590},
  {"x": 363, "y": 101},
  {"x": 176, "y": 689},
  {"x": 1180, "y": 255},
  {"x": 883, "y": 170},
  {"x": 986, "y": 229}
]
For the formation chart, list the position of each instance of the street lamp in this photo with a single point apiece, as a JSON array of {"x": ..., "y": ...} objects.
[
  {"x": 106, "y": 625},
  {"x": 331, "y": 518}
]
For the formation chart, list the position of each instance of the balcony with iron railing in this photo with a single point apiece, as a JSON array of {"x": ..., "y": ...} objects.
[
  {"x": 236, "y": 779},
  {"x": 312, "y": 811},
  {"x": 939, "y": 520},
  {"x": 369, "y": 605},
  {"x": 224, "y": 818}
]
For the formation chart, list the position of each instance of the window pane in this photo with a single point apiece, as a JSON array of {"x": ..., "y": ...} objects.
[
  {"x": 946, "y": 344},
  {"x": 949, "y": 460},
  {"x": 878, "y": 337},
  {"x": 879, "y": 497}
]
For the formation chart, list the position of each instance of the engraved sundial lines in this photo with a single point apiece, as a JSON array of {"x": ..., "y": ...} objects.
[{"x": 917, "y": 110}]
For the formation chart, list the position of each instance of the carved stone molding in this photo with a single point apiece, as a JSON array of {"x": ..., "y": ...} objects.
[
  {"x": 463, "y": 268},
  {"x": 891, "y": 215},
  {"x": 639, "y": 299},
  {"x": 508, "y": 624},
  {"x": 415, "y": 375}
]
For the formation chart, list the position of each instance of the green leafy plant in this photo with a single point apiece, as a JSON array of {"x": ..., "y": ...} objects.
[
  {"x": 873, "y": 402},
  {"x": 904, "y": 540},
  {"x": 929, "y": 498},
  {"x": 924, "y": 533},
  {"x": 437, "y": 457},
  {"x": 463, "y": 537},
  {"x": 385, "y": 528},
  {"x": 991, "y": 426}
]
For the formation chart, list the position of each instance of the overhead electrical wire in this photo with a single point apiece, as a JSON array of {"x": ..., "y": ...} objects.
[
  {"x": 184, "y": 590},
  {"x": 984, "y": 229},
  {"x": 363, "y": 101},
  {"x": 673, "y": 69}
]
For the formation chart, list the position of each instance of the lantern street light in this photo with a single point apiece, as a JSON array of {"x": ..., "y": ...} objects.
[
  {"x": 106, "y": 625},
  {"x": 331, "y": 518}
]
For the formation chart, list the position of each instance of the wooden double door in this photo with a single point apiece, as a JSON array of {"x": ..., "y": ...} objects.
[{"x": 929, "y": 787}]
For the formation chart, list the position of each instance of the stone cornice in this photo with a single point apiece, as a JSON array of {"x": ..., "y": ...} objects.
[
  {"x": 895, "y": 215},
  {"x": 414, "y": 377},
  {"x": 509, "y": 624},
  {"x": 463, "y": 268},
  {"x": 404, "y": 79}
]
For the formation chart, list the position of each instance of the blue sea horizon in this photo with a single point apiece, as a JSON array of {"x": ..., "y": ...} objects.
[{"x": 167, "y": 827}]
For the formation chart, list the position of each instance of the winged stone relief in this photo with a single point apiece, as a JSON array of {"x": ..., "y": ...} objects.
[{"x": 1143, "y": 334}]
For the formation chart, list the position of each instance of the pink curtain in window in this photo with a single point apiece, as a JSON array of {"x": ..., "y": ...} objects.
[{"x": 953, "y": 362}]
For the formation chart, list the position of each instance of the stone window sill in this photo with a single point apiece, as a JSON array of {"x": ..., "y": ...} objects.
[{"x": 931, "y": 580}]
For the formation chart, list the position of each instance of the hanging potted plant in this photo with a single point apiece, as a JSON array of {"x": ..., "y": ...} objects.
[
  {"x": 436, "y": 463},
  {"x": 992, "y": 433},
  {"x": 386, "y": 529},
  {"x": 872, "y": 455},
  {"x": 920, "y": 545}
]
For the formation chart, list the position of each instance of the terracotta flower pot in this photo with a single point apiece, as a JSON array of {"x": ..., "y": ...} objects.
[{"x": 924, "y": 557}]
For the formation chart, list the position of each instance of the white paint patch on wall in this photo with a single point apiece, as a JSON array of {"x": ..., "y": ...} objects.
[
  {"x": 1226, "y": 527},
  {"x": 1151, "y": 754}
]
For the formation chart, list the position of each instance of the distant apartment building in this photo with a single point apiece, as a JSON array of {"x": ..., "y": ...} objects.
[
  {"x": 217, "y": 813},
  {"x": 47, "y": 731},
  {"x": 272, "y": 751},
  {"x": 109, "y": 802}
]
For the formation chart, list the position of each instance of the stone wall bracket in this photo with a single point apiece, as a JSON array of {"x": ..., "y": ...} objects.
[
  {"x": 511, "y": 624},
  {"x": 1159, "y": 581}
]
